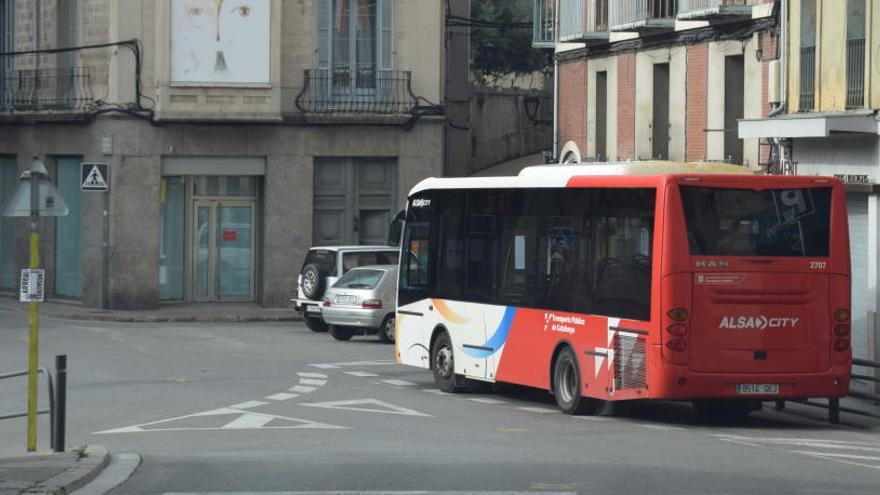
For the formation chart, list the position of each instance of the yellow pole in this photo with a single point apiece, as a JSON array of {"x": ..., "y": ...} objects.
[{"x": 33, "y": 351}]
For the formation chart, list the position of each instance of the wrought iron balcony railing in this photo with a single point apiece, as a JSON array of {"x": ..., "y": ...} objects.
[
  {"x": 360, "y": 91},
  {"x": 583, "y": 21},
  {"x": 713, "y": 9},
  {"x": 633, "y": 15},
  {"x": 808, "y": 79},
  {"x": 543, "y": 29},
  {"x": 855, "y": 73},
  {"x": 66, "y": 89}
]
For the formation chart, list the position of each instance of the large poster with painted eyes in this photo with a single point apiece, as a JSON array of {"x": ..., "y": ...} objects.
[{"x": 220, "y": 41}]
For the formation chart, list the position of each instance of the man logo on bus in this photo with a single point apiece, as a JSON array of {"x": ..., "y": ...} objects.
[{"x": 759, "y": 322}]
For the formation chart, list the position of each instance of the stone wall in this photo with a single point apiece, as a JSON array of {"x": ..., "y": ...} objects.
[{"x": 501, "y": 128}]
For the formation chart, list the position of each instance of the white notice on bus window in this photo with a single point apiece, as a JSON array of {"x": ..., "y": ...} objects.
[{"x": 519, "y": 252}]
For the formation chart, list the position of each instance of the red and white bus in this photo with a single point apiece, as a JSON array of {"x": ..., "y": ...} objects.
[{"x": 630, "y": 281}]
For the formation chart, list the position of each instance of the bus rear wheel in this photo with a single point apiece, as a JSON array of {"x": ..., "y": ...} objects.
[
  {"x": 567, "y": 386},
  {"x": 443, "y": 365}
]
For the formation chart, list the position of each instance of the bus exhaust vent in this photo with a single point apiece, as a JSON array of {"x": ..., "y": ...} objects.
[{"x": 629, "y": 362}]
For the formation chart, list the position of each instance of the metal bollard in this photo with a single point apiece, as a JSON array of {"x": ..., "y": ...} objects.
[{"x": 60, "y": 402}]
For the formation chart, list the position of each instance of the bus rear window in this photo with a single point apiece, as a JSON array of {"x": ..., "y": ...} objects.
[{"x": 743, "y": 222}]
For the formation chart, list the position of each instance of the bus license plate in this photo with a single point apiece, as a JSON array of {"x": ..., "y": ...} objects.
[
  {"x": 757, "y": 388},
  {"x": 313, "y": 308}
]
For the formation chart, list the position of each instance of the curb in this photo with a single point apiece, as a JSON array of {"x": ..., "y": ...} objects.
[{"x": 94, "y": 461}]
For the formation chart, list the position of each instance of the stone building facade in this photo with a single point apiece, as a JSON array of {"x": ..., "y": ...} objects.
[{"x": 237, "y": 135}]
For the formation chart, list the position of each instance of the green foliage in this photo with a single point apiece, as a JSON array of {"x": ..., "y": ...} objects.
[{"x": 497, "y": 52}]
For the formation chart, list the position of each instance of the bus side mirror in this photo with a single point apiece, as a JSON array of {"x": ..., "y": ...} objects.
[{"x": 395, "y": 230}]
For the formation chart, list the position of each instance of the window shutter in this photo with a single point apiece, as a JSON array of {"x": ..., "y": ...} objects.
[
  {"x": 323, "y": 30},
  {"x": 385, "y": 48}
]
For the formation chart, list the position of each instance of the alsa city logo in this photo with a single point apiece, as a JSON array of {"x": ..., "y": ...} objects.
[
  {"x": 759, "y": 322},
  {"x": 712, "y": 264},
  {"x": 421, "y": 203}
]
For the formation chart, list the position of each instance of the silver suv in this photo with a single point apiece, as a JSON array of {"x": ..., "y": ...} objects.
[{"x": 322, "y": 268}]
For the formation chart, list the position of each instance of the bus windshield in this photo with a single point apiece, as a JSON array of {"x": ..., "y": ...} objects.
[{"x": 744, "y": 222}]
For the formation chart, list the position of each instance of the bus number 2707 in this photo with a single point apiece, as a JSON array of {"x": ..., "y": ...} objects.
[{"x": 818, "y": 265}]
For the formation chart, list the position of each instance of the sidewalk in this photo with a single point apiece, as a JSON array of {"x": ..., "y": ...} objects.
[
  {"x": 59, "y": 473},
  {"x": 174, "y": 312}
]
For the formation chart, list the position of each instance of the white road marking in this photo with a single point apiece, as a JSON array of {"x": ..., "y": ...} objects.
[
  {"x": 312, "y": 381},
  {"x": 788, "y": 444},
  {"x": 282, "y": 396},
  {"x": 245, "y": 420},
  {"x": 330, "y": 366},
  {"x": 399, "y": 383},
  {"x": 433, "y": 391},
  {"x": 248, "y": 422},
  {"x": 843, "y": 456},
  {"x": 302, "y": 389},
  {"x": 539, "y": 410},
  {"x": 360, "y": 373},
  {"x": 593, "y": 418},
  {"x": 249, "y": 404},
  {"x": 484, "y": 400},
  {"x": 662, "y": 428},
  {"x": 311, "y": 375},
  {"x": 378, "y": 407}
]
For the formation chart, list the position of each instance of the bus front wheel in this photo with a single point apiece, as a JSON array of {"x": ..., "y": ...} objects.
[
  {"x": 443, "y": 365},
  {"x": 567, "y": 386}
]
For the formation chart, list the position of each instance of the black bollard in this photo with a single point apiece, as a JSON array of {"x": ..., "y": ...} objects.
[{"x": 60, "y": 401}]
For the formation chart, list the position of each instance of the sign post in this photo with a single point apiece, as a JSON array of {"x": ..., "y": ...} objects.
[{"x": 34, "y": 196}]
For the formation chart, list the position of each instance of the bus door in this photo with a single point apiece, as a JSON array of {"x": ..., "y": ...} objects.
[{"x": 761, "y": 278}]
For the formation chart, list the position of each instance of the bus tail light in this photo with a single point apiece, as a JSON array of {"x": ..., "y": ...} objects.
[
  {"x": 677, "y": 329},
  {"x": 372, "y": 304},
  {"x": 677, "y": 314},
  {"x": 841, "y": 314},
  {"x": 841, "y": 330},
  {"x": 841, "y": 345},
  {"x": 677, "y": 345}
]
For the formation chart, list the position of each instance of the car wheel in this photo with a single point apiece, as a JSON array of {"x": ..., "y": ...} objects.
[
  {"x": 312, "y": 281},
  {"x": 340, "y": 333},
  {"x": 316, "y": 324},
  {"x": 386, "y": 331},
  {"x": 567, "y": 386},
  {"x": 443, "y": 365}
]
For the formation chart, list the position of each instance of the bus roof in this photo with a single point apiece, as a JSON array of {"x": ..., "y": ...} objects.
[
  {"x": 552, "y": 176},
  {"x": 636, "y": 168}
]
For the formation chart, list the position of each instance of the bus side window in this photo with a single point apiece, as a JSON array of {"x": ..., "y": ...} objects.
[{"x": 625, "y": 224}]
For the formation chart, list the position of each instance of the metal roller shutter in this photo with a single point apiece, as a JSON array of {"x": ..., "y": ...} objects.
[{"x": 857, "y": 210}]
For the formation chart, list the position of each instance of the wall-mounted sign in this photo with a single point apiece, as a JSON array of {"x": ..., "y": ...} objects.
[{"x": 854, "y": 178}]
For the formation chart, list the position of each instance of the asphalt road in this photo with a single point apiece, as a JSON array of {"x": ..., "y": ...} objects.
[{"x": 218, "y": 408}]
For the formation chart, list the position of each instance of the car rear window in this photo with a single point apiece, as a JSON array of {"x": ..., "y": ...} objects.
[
  {"x": 745, "y": 222},
  {"x": 324, "y": 258},
  {"x": 360, "y": 279},
  {"x": 366, "y": 258}
]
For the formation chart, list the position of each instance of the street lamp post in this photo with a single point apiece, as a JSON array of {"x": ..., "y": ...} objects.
[{"x": 34, "y": 196}]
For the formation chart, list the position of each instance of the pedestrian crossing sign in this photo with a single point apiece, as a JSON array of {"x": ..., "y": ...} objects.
[{"x": 95, "y": 177}]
